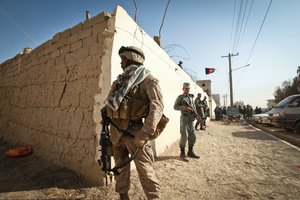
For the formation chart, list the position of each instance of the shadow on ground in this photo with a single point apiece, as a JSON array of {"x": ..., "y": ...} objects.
[
  {"x": 163, "y": 158},
  {"x": 253, "y": 135},
  {"x": 33, "y": 173}
]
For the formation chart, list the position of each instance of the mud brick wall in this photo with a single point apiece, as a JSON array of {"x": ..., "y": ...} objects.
[{"x": 50, "y": 96}]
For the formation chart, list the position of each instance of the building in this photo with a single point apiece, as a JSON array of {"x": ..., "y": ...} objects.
[{"x": 51, "y": 96}]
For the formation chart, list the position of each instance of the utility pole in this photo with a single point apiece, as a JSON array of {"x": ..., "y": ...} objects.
[{"x": 230, "y": 76}]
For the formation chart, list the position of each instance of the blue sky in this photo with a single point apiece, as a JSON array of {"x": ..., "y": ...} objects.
[{"x": 197, "y": 32}]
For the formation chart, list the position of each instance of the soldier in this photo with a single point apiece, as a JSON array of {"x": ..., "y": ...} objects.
[
  {"x": 185, "y": 104},
  {"x": 205, "y": 110},
  {"x": 199, "y": 108},
  {"x": 135, "y": 104}
]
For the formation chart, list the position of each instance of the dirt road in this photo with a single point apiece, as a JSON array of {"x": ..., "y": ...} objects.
[{"x": 237, "y": 162}]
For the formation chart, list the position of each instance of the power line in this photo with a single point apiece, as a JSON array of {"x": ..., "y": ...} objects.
[
  {"x": 237, "y": 26},
  {"x": 239, "y": 35},
  {"x": 232, "y": 26},
  {"x": 259, "y": 30},
  {"x": 13, "y": 21},
  {"x": 246, "y": 24}
]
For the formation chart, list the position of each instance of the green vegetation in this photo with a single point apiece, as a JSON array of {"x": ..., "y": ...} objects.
[{"x": 288, "y": 88}]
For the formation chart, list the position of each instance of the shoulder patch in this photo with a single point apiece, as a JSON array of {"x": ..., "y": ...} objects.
[
  {"x": 152, "y": 79},
  {"x": 155, "y": 80}
]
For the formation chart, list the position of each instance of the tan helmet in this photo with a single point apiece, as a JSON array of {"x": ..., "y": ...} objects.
[{"x": 132, "y": 53}]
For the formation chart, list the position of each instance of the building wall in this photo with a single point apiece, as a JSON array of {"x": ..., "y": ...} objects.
[
  {"x": 51, "y": 97},
  {"x": 169, "y": 74},
  {"x": 271, "y": 103},
  {"x": 217, "y": 99},
  {"x": 48, "y": 95}
]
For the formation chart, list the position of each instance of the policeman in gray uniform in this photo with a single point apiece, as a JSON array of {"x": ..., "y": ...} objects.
[
  {"x": 135, "y": 104},
  {"x": 185, "y": 104},
  {"x": 199, "y": 108}
]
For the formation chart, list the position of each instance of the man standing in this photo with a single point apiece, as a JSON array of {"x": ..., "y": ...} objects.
[
  {"x": 185, "y": 104},
  {"x": 205, "y": 110},
  {"x": 199, "y": 109},
  {"x": 134, "y": 104}
]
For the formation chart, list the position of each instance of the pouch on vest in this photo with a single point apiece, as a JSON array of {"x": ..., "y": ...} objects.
[{"x": 160, "y": 127}]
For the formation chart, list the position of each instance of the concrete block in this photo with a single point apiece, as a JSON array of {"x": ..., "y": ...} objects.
[
  {"x": 44, "y": 58},
  {"x": 99, "y": 28},
  {"x": 85, "y": 33},
  {"x": 65, "y": 49},
  {"x": 90, "y": 41},
  {"x": 69, "y": 57},
  {"x": 82, "y": 53},
  {"x": 89, "y": 22},
  {"x": 75, "y": 29},
  {"x": 56, "y": 37},
  {"x": 56, "y": 53},
  {"x": 60, "y": 60},
  {"x": 103, "y": 17},
  {"x": 73, "y": 38},
  {"x": 90, "y": 86},
  {"x": 63, "y": 42},
  {"x": 95, "y": 50},
  {"x": 76, "y": 45},
  {"x": 66, "y": 34},
  {"x": 70, "y": 96},
  {"x": 47, "y": 44}
]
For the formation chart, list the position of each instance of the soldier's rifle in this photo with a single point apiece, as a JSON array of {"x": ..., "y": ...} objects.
[
  {"x": 194, "y": 112},
  {"x": 106, "y": 148}
]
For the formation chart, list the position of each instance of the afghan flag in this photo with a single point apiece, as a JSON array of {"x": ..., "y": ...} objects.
[{"x": 209, "y": 70}]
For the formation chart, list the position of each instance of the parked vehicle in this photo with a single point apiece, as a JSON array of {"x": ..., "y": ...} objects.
[
  {"x": 263, "y": 118},
  {"x": 233, "y": 115},
  {"x": 287, "y": 113}
]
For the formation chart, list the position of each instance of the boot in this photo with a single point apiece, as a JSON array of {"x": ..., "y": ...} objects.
[
  {"x": 124, "y": 196},
  {"x": 182, "y": 155},
  {"x": 192, "y": 154}
]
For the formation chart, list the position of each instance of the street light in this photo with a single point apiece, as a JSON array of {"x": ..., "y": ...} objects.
[{"x": 241, "y": 67}]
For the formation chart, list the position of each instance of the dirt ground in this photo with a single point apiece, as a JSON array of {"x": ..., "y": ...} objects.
[{"x": 237, "y": 162}]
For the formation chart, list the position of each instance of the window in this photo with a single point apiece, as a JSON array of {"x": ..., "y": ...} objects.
[{"x": 295, "y": 102}]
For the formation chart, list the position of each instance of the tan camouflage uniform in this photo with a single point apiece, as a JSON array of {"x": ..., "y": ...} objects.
[{"x": 148, "y": 93}]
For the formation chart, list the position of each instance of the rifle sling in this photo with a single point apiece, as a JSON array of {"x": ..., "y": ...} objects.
[
  {"x": 125, "y": 133},
  {"x": 127, "y": 161}
]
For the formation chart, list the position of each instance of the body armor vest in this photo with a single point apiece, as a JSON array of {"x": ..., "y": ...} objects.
[{"x": 135, "y": 105}]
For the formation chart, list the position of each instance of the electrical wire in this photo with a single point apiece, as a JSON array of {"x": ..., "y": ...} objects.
[
  {"x": 13, "y": 21},
  {"x": 249, "y": 12},
  {"x": 259, "y": 30},
  {"x": 237, "y": 25},
  {"x": 241, "y": 27},
  {"x": 232, "y": 26}
]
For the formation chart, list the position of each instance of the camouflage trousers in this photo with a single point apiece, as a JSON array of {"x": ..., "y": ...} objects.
[{"x": 144, "y": 166}]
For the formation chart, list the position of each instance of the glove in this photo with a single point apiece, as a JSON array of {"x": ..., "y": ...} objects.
[
  {"x": 140, "y": 139},
  {"x": 138, "y": 143}
]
